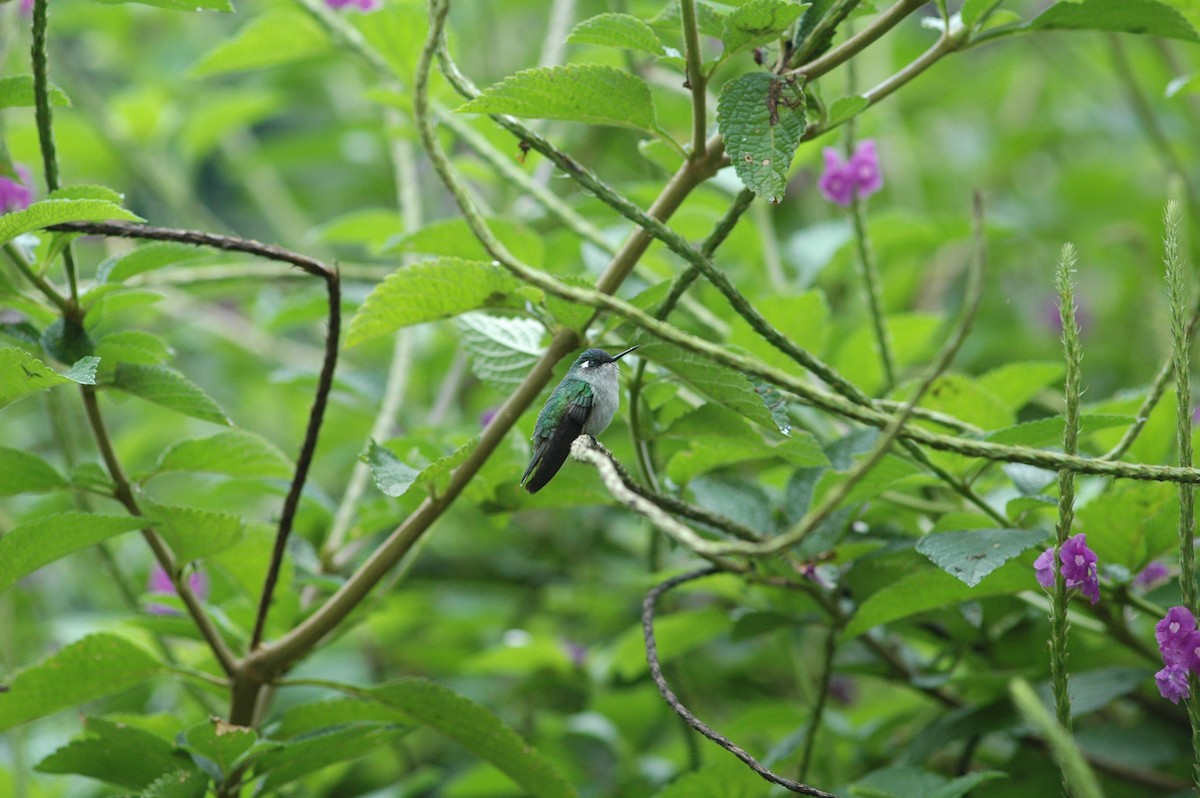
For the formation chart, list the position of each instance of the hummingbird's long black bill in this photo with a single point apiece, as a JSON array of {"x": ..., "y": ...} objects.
[{"x": 626, "y": 352}]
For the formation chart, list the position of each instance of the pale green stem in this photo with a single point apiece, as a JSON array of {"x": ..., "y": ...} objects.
[{"x": 695, "y": 78}]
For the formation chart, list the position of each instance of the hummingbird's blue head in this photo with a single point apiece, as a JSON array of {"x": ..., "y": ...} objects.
[{"x": 594, "y": 358}]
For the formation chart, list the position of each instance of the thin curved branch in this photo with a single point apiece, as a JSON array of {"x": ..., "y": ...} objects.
[{"x": 664, "y": 689}]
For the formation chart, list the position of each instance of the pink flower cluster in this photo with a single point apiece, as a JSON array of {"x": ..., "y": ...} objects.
[
  {"x": 1078, "y": 567},
  {"x": 365, "y": 6},
  {"x": 843, "y": 179},
  {"x": 15, "y": 195},
  {"x": 160, "y": 582},
  {"x": 1179, "y": 643}
]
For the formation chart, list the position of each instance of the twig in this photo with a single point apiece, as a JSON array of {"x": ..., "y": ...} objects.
[
  {"x": 695, "y": 78},
  {"x": 664, "y": 689}
]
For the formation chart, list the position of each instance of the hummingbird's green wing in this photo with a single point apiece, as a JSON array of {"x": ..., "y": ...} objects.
[{"x": 558, "y": 425}]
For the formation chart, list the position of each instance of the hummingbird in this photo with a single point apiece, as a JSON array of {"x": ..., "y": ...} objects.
[{"x": 584, "y": 402}]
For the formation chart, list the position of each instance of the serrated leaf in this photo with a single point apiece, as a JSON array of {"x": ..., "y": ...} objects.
[
  {"x": 234, "y": 453},
  {"x": 88, "y": 191},
  {"x": 590, "y": 93},
  {"x": 392, "y": 475},
  {"x": 17, "y": 92},
  {"x": 147, "y": 257},
  {"x": 56, "y": 211},
  {"x": 502, "y": 350},
  {"x": 96, "y": 666},
  {"x": 844, "y": 108},
  {"x": 428, "y": 291},
  {"x": 25, "y": 472},
  {"x": 167, "y": 387},
  {"x": 1049, "y": 431},
  {"x": 177, "y": 5},
  {"x": 194, "y": 533},
  {"x": 115, "y": 753},
  {"x": 758, "y": 22},
  {"x": 1145, "y": 17},
  {"x": 477, "y": 730},
  {"x": 731, "y": 388},
  {"x": 761, "y": 117},
  {"x": 1017, "y": 383},
  {"x": 220, "y": 742},
  {"x": 970, "y": 555},
  {"x": 271, "y": 39},
  {"x": 133, "y": 346},
  {"x": 311, "y": 753},
  {"x": 180, "y": 784},
  {"x": 617, "y": 30},
  {"x": 83, "y": 371},
  {"x": 41, "y": 541},
  {"x": 714, "y": 451},
  {"x": 22, "y": 374}
]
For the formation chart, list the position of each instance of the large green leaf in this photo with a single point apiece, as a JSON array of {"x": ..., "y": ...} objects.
[
  {"x": 502, "y": 350},
  {"x": 310, "y": 753},
  {"x": 167, "y": 387},
  {"x": 18, "y": 91},
  {"x": 133, "y": 346},
  {"x": 192, "y": 532},
  {"x": 429, "y": 291},
  {"x": 145, "y": 258},
  {"x": 452, "y": 238},
  {"x": 617, "y": 30},
  {"x": 758, "y": 22},
  {"x": 279, "y": 36},
  {"x": 1146, "y": 17},
  {"x": 392, "y": 475},
  {"x": 235, "y": 453},
  {"x": 41, "y": 541},
  {"x": 116, "y": 753},
  {"x": 56, "y": 211},
  {"x": 221, "y": 743},
  {"x": 477, "y": 730},
  {"x": 676, "y": 635},
  {"x": 761, "y": 117},
  {"x": 1016, "y": 383},
  {"x": 599, "y": 95},
  {"x": 22, "y": 374},
  {"x": 25, "y": 472},
  {"x": 972, "y": 554},
  {"x": 91, "y": 668}
]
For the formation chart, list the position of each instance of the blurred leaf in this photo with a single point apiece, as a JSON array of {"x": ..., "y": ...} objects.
[
  {"x": 845, "y": 108},
  {"x": 910, "y": 782},
  {"x": 524, "y": 658},
  {"x": 25, "y": 472},
  {"x": 116, "y": 753},
  {"x": 279, "y": 36},
  {"x": 566, "y": 312},
  {"x": 177, "y": 5},
  {"x": 761, "y": 118},
  {"x": 758, "y": 22},
  {"x": 41, "y": 541},
  {"x": 616, "y": 30},
  {"x": 17, "y": 91},
  {"x": 167, "y": 387},
  {"x": 235, "y": 453},
  {"x": 1096, "y": 689},
  {"x": 56, "y": 211},
  {"x": 1146, "y": 17},
  {"x": 1131, "y": 522},
  {"x": 1074, "y": 767},
  {"x": 429, "y": 291},
  {"x": 133, "y": 346},
  {"x": 180, "y": 784},
  {"x": 147, "y": 257},
  {"x": 803, "y": 318},
  {"x": 310, "y": 753},
  {"x": 721, "y": 778},
  {"x": 1049, "y": 431},
  {"x": 392, "y": 476},
  {"x": 738, "y": 499},
  {"x": 970, "y": 555},
  {"x": 453, "y": 238},
  {"x": 675, "y": 635},
  {"x": 591, "y": 93},
  {"x": 194, "y": 533},
  {"x": 221, "y": 743},
  {"x": 221, "y": 113},
  {"x": 86, "y": 192},
  {"x": 708, "y": 452},
  {"x": 928, "y": 589},
  {"x": 90, "y": 668},
  {"x": 1016, "y": 383},
  {"x": 66, "y": 341},
  {"x": 477, "y": 730},
  {"x": 369, "y": 227},
  {"x": 962, "y": 397},
  {"x": 502, "y": 350}
]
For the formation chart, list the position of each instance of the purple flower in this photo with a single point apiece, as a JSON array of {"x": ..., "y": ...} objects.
[
  {"x": 365, "y": 6},
  {"x": 161, "y": 583},
  {"x": 26, "y": 7},
  {"x": 1172, "y": 683},
  {"x": 487, "y": 416},
  {"x": 1078, "y": 567},
  {"x": 860, "y": 176},
  {"x": 15, "y": 195},
  {"x": 1178, "y": 639},
  {"x": 1151, "y": 576}
]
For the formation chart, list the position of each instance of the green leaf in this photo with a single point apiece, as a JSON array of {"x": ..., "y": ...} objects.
[
  {"x": 477, "y": 730},
  {"x": 147, "y": 257},
  {"x": 453, "y": 238},
  {"x": 708, "y": 452},
  {"x": 17, "y": 92},
  {"x": 83, "y": 371},
  {"x": 194, "y": 533},
  {"x": 592, "y": 93},
  {"x": 911, "y": 782},
  {"x": 296, "y": 759},
  {"x": 392, "y": 476},
  {"x": 718, "y": 778},
  {"x": 926, "y": 589},
  {"x": 235, "y": 453},
  {"x": 276, "y": 37},
  {"x": 1015, "y": 384},
  {"x": 87, "y": 191},
  {"x": 41, "y": 541},
  {"x": 374, "y": 228},
  {"x": 758, "y": 22},
  {"x": 803, "y": 318},
  {"x": 972, "y": 554},
  {"x": 180, "y": 784},
  {"x": 67, "y": 341},
  {"x": 96, "y": 666},
  {"x": 208, "y": 123},
  {"x": 167, "y": 387},
  {"x": 1076, "y": 771},
  {"x": 116, "y": 753},
  {"x": 303, "y": 720},
  {"x": 25, "y": 472},
  {"x": 22, "y": 374},
  {"x": 975, "y": 10},
  {"x": 676, "y": 635},
  {"x": 1131, "y": 522},
  {"x": 429, "y": 291},
  {"x": 220, "y": 742},
  {"x": 133, "y": 346},
  {"x": 845, "y": 108},
  {"x": 617, "y": 30},
  {"x": 177, "y": 5},
  {"x": 56, "y": 211},
  {"x": 502, "y": 350},
  {"x": 731, "y": 388},
  {"x": 1049, "y": 431},
  {"x": 761, "y": 118},
  {"x": 1145, "y": 17},
  {"x": 960, "y": 396}
]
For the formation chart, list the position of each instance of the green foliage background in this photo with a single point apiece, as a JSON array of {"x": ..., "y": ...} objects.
[{"x": 519, "y": 616}]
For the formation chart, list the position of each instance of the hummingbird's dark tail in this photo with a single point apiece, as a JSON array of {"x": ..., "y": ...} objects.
[{"x": 550, "y": 454}]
